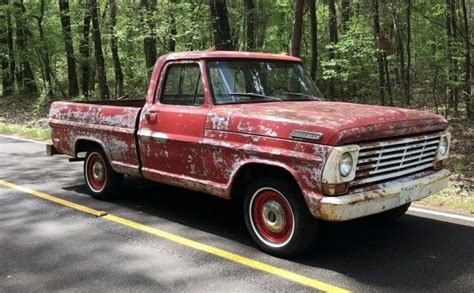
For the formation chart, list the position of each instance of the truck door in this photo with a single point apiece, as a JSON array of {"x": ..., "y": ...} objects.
[{"x": 172, "y": 128}]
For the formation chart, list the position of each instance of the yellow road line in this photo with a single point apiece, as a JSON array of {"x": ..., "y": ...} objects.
[
  {"x": 251, "y": 263},
  {"x": 54, "y": 199}
]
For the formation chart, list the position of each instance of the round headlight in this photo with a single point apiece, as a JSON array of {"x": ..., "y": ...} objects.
[
  {"x": 345, "y": 164},
  {"x": 443, "y": 146}
]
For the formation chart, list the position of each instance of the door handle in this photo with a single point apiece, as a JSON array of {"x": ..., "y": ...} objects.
[{"x": 150, "y": 116}]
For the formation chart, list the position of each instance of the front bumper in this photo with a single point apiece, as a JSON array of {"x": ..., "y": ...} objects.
[{"x": 357, "y": 205}]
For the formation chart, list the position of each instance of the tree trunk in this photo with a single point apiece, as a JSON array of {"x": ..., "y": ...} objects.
[
  {"x": 314, "y": 38},
  {"x": 85, "y": 52},
  {"x": 99, "y": 55},
  {"x": 44, "y": 55},
  {"x": 345, "y": 14},
  {"x": 450, "y": 34},
  {"x": 455, "y": 62},
  {"x": 250, "y": 24},
  {"x": 407, "y": 86},
  {"x": 26, "y": 79},
  {"x": 380, "y": 57},
  {"x": 149, "y": 42},
  {"x": 332, "y": 40},
  {"x": 68, "y": 47},
  {"x": 171, "y": 43},
  {"x": 261, "y": 29},
  {"x": 114, "y": 48},
  {"x": 220, "y": 25},
  {"x": 7, "y": 77},
  {"x": 400, "y": 78},
  {"x": 172, "y": 35},
  {"x": 11, "y": 53},
  {"x": 467, "y": 64},
  {"x": 297, "y": 29},
  {"x": 435, "y": 83},
  {"x": 387, "y": 79}
]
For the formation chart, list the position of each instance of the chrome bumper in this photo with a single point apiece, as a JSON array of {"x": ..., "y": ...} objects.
[{"x": 357, "y": 205}]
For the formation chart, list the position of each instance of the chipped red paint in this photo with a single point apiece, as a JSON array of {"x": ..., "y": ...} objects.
[
  {"x": 204, "y": 147},
  {"x": 112, "y": 127},
  {"x": 339, "y": 123}
]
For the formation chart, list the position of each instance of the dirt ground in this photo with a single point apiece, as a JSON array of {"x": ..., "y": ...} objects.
[{"x": 21, "y": 110}]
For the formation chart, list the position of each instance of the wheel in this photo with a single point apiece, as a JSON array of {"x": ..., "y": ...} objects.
[
  {"x": 393, "y": 214},
  {"x": 278, "y": 218},
  {"x": 101, "y": 180}
]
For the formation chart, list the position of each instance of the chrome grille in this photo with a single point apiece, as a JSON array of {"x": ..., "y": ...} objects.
[{"x": 388, "y": 159}]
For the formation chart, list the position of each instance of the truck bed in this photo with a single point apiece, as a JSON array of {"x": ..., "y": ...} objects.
[{"x": 109, "y": 124}]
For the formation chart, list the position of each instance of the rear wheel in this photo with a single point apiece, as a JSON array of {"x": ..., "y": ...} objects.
[
  {"x": 277, "y": 217},
  {"x": 101, "y": 180}
]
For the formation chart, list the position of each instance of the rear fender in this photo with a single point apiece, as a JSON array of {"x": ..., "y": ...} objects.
[{"x": 81, "y": 139}]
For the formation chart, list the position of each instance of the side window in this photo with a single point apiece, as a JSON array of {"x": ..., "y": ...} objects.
[{"x": 183, "y": 85}]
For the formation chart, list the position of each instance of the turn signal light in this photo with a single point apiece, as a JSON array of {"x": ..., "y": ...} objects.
[
  {"x": 438, "y": 165},
  {"x": 335, "y": 189}
]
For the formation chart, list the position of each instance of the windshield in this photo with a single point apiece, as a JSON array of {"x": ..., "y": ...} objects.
[{"x": 256, "y": 81}]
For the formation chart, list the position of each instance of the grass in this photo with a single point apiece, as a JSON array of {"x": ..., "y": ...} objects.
[
  {"x": 460, "y": 167},
  {"x": 25, "y": 131},
  {"x": 451, "y": 198}
]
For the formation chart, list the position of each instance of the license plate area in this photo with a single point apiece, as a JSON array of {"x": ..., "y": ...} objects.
[{"x": 410, "y": 193}]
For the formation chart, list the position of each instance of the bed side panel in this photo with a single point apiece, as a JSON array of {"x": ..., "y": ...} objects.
[{"x": 113, "y": 127}]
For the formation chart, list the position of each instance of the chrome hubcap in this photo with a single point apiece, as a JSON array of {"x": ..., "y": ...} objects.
[
  {"x": 98, "y": 171},
  {"x": 273, "y": 216}
]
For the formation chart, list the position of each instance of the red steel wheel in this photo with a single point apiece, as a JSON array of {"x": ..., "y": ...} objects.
[
  {"x": 272, "y": 217},
  {"x": 101, "y": 180},
  {"x": 277, "y": 216},
  {"x": 96, "y": 172}
]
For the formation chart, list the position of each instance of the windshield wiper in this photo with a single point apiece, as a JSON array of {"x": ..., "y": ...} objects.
[
  {"x": 306, "y": 96},
  {"x": 256, "y": 95},
  {"x": 264, "y": 98}
]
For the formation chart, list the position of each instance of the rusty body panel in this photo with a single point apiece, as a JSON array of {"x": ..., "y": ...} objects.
[
  {"x": 203, "y": 147},
  {"x": 339, "y": 123},
  {"x": 112, "y": 127}
]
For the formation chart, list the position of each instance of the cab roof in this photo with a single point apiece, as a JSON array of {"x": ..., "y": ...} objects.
[{"x": 228, "y": 55}]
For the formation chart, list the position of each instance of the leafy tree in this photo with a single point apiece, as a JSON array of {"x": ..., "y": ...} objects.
[{"x": 406, "y": 53}]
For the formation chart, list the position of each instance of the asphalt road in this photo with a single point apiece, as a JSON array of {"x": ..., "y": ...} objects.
[{"x": 45, "y": 246}]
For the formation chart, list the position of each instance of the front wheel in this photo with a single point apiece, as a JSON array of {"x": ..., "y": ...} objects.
[
  {"x": 101, "y": 180},
  {"x": 278, "y": 218}
]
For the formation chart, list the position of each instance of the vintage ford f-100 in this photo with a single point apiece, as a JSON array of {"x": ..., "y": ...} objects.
[{"x": 253, "y": 127}]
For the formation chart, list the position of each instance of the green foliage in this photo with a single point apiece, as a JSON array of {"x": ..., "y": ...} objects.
[
  {"x": 25, "y": 131},
  {"x": 452, "y": 198},
  {"x": 353, "y": 51},
  {"x": 436, "y": 62}
]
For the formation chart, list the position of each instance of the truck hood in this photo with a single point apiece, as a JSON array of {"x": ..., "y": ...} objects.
[{"x": 338, "y": 123}]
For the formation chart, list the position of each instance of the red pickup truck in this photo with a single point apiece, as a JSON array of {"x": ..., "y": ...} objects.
[{"x": 253, "y": 127}]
